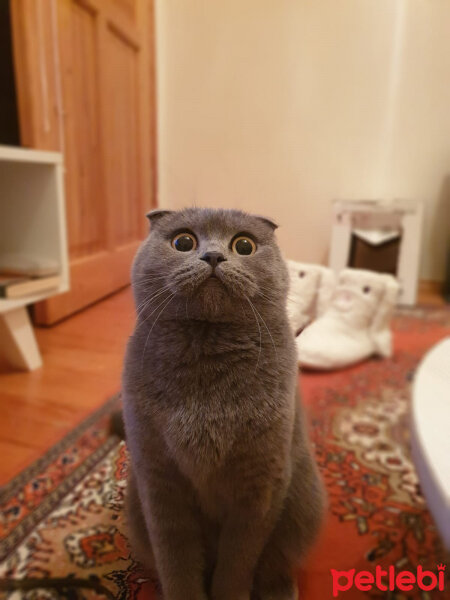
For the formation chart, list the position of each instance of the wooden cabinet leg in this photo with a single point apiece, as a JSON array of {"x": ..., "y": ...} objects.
[{"x": 17, "y": 341}]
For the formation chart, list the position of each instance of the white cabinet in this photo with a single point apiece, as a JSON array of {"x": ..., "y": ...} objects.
[
  {"x": 380, "y": 222},
  {"x": 32, "y": 222}
]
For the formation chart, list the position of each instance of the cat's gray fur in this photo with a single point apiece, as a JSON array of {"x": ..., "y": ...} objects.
[{"x": 223, "y": 497}]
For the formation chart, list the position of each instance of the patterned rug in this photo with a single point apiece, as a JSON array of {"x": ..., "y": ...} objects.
[{"x": 61, "y": 520}]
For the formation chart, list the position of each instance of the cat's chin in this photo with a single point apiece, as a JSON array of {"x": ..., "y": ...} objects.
[
  {"x": 212, "y": 290},
  {"x": 212, "y": 299}
]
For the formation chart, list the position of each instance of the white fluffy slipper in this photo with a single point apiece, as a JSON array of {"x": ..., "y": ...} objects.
[
  {"x": 356, "y": 324},
  {"x": 310, "y": 291}
]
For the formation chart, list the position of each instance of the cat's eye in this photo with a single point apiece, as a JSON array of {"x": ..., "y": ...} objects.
[
  {"x": 243, "y": 245},
  {"x": 184, "y": 242}
]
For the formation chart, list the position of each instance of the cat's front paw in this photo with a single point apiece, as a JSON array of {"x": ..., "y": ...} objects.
[
  {"x": 219, "y": 592},
  {"x": 281, "y": 594},
  {"x": 230, "y": 596},
  {"x": 276, "y": 596}
]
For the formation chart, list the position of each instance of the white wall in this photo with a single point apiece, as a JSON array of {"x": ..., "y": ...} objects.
[{"x": 278, "y": 106}]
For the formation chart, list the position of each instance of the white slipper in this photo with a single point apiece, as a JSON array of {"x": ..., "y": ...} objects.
[
  {"x": 355, "y": 325},
  {"x": 310, "y": 291}
]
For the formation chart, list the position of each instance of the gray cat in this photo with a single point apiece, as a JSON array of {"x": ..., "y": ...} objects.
[{"x": 224, "y": 497}]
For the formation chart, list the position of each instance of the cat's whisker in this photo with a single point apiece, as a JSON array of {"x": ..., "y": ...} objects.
[
  {"x": 146, "y": 301},
  {"x": 142, "y": 307},
  {"x": 265, "y": 288},
  {"x": 149, "y": 274},
  {"x": 153, "y": 311},
  {"x": 162, "y": 310},
  {"x": 266, "y": 297},
  {"x": 149, "y": 285},
  {"x": 142, "y": 282},
  {"x": 259, "y": 329},
  {"x": 270, "y": 335},
  {"x": 168, "y": 301}
]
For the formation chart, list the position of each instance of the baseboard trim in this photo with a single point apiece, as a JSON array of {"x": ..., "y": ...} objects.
[{"x": 431, "y": 292}]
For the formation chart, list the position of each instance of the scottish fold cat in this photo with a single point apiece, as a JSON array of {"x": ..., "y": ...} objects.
[{"x": 224, "y": 497}]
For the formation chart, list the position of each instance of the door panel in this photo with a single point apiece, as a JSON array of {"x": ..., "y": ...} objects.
[
  {"x": 96, "y": 104},
  {"x": 127, "y": 7},
  {"x": 122, "y": 113},
  {"x": 33, "y": 36},
  {"x": 80, "y": 75}
]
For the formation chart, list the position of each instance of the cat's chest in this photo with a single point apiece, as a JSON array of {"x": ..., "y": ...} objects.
[
  {"x": 208, "y": 404},
  {"x": 200, "y": 436}
]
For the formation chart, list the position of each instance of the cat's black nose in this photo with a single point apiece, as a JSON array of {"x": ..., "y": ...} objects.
[{"x": 213, "y": 258}]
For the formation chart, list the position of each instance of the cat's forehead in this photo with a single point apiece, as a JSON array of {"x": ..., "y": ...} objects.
[{"x": 216, "y": 222}]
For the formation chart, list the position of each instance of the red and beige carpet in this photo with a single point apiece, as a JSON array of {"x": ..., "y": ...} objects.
[{"x": 62, "y": 526}]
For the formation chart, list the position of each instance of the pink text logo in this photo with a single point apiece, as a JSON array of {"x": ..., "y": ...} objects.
[{"x": 388, "y": 580}]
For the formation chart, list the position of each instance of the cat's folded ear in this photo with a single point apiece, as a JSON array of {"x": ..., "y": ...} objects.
[
  {"x": 268, "y": 222},
  {"x": 155, "y": 215}
]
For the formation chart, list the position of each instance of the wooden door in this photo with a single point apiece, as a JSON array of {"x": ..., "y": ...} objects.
[{"x": 85, "y": 84}]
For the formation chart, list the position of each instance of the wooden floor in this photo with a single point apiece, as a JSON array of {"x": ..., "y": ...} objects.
[{"x": 82, "y": 367}]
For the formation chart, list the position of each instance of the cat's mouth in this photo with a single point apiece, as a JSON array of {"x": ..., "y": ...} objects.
[
  {"x": 215, "y": 275},
  {"x": 214, "y": 280}
]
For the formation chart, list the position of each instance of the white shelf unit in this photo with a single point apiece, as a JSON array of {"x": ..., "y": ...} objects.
[
  {"x": 405, "y": 216},
  {"x": 32, "y": 222}
]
